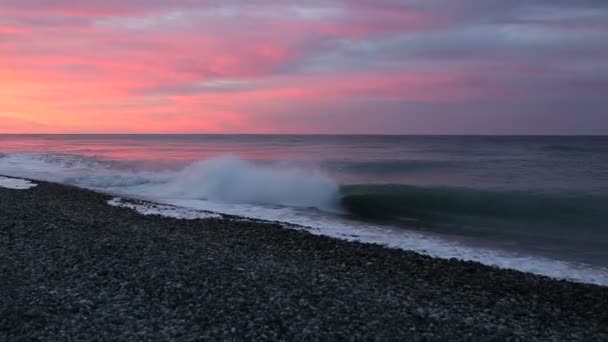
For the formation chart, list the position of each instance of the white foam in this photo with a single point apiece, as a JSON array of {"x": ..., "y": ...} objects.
[
  {"x": 232, "y": 180},
  {"x": 16, "y": 184},
  {"x": 77, "y": 170},
  {"x": 148, "y": 208},
  {"x": 225, "y": 179}
]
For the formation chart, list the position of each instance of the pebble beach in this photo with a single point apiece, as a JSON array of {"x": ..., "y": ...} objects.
[{"x": 77, "y": 269}]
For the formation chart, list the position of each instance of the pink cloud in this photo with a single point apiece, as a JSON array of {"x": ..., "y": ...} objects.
[
  {"x": 415, "y": 87},
  {"x": 11, "y": 30},
  {"x": 129, "y": 66}
]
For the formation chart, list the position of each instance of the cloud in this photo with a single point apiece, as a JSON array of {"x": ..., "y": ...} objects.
[{"x": 189, "y": 65}]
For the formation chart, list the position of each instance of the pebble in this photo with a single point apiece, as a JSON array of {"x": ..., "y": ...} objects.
[{"x": 78, "y": 269}]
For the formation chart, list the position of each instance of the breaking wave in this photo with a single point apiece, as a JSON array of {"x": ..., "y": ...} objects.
[
  {"x": 226, "y": 179},
  {"x": 229, "y": 179},
  {"x": 284, "y": 192},
  {"x": 233, "y": 180}
]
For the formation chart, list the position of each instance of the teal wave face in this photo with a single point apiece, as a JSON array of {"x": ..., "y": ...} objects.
[{"x": 458, "y": 206}]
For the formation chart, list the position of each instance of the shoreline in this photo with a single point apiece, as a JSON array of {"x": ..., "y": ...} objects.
[
  {"x": 425, "y": 243},
  {"x": 77, "y": 266}
]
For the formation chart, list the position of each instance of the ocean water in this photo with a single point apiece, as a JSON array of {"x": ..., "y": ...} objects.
[{"x": 538, "y": 204}]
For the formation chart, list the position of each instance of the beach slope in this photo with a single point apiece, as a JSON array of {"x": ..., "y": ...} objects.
[{"x": 75, "y": 268}]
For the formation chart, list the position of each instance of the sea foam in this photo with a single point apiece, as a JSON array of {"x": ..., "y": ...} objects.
[
  {"x": 226, "y": 179},
  {"x": 16, "y": 184},
  {"x": 152, "y": 209},
  {"x": 232, "y": 180}
]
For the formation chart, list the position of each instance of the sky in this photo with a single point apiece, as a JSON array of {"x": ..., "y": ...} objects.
[{"x": 315, "y": 66}]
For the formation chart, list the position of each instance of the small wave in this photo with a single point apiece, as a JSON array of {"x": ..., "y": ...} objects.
[
  {"x": 589, "y": 148},
  {"x": 89, "y": 172},
  {"x": 33, "y": 160},
  {"x": 460, "y": 205}
]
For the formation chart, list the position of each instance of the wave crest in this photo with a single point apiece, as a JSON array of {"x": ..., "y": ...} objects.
[
  {"x": 226, "y": 179},
  {"x": 234, "y": 180}
]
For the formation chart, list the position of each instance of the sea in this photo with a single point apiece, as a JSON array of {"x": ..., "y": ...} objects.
[{"x": 536, "y": 204}]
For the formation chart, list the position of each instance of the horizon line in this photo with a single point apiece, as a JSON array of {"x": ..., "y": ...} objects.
[{"x": 335, "y": 134}]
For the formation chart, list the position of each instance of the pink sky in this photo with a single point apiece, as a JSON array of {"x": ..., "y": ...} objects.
[{"x": 356, "y": 66}]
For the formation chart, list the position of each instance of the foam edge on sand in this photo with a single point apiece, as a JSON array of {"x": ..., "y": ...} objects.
[{"x": 16, "y": 183}]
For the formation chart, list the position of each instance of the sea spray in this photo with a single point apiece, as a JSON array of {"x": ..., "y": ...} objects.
[
  {"x": 226, "y": 179},
  {"x": 233, "y": 180}
]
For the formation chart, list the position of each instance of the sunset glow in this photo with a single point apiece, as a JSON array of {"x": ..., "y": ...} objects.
[{"x": 476, "y": 66}]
